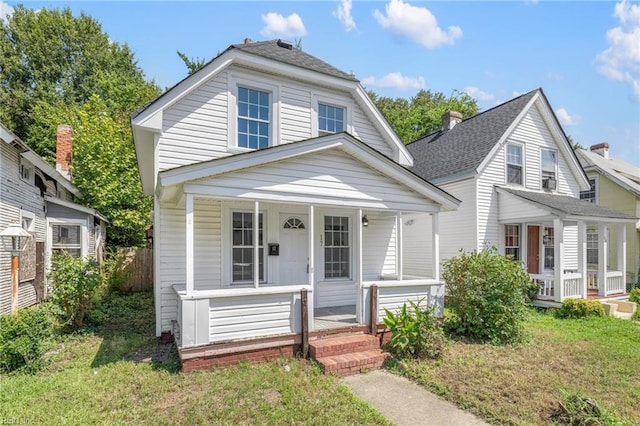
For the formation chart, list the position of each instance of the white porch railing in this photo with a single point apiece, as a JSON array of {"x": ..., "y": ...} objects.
[
  {"x": 571, "y": 285},
  {"x": 614, "y": 283},
  {"x": 546, "y": 285}
]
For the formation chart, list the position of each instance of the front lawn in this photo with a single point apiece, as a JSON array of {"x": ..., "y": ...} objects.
[
  {"x": 105, "y": 375},
  {"x": 595, "y": 357}
]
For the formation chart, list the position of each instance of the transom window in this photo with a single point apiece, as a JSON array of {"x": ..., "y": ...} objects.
[
  {"x": 330, "y": 119},
  {"x": 294, "y": 223},
  {"x": 243, "y": 246},
  {"x": 512, "y": 241},
  {"x": 337, "y": 263},
  {"x": 66, "y": 238},
  {"x": 253, "y": 118},
  {"x": 589, "y": 195},
  {"x": 514, "y": 164},
  {"x": 549, "y": 163},
  {"x": 548, "y": 242}
]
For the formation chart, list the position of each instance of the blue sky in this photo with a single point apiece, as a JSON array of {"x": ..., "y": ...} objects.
[{"x": 585, "y": 55}]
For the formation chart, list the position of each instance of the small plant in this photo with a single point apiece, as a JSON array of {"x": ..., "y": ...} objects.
[
  {"x": 578, "y": 410},
  {"x": 415, "y": 332},
  {"x": 634, "y": 295},
  {"x": 22, "y": 337},
  {"x": 76, "y": 284},
  {"x": 580, "y": 308}
]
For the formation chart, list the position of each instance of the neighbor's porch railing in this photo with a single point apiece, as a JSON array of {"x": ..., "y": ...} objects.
[{"x": 614, "y": 283}]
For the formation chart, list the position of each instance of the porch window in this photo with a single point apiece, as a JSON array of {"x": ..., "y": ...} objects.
[
  {"x": 512, "y": 241},
  {"x": 592, "y": 247},
  {"x": 549, "y": 165},
  {"x": 337, "y": 263},
  {"x": 330, "y": 119},
  {"x": 66, "y": 238},
  {"x": 514, "y": 164},
  {"x": 589, "y": 195},
  {"x": 548, "y": 242},
  {"x": 253, "y": 118},
  {"x": 243, "y": 245}
]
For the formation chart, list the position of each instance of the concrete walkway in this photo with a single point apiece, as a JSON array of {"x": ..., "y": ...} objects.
[{"x": 405, "y": 403}]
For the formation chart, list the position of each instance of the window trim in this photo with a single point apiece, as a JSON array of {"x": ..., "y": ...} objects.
[
  {"x": 350, "y": 224},
  {"x": 26, "y": 165},
  {"x": 257, "y": 83},
  {"x": 596, "y": 199},
  {"x": 544, "y": 246},
  {"x": 336, "y": 107},
  {"x": 542, "y": 169},
  {"x": 592, "y": 232},
  {"x": 227, "y": 245},
  {"x": 84, "y": 235},
  {"x": 507, "y": 164},
  {"x": 28, "y": 215},
  {"x": 347, "y": 106},
  {"x": 519, "y": 236}
]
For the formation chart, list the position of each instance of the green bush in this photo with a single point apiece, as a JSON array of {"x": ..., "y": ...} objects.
[
  {"x": 580, "y": 308},
  {"x": 578, "y": 410},
  {"x": 22, "y": 337},
  {"x": 76, "y": 286},
  {"x": 634, "y": 295},
  {"x": 486, "y": 294},
  {"x": 415, "y": 332}
]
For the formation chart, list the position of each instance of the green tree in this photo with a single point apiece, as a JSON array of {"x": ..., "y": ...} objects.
[
  {"x": 193, "y": 64},
  {"x": 421, "y": 115}
]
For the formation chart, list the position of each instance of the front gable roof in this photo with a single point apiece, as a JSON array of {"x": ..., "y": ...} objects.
[{"x": 624, "y": 174}]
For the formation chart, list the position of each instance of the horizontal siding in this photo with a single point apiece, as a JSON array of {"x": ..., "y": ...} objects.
[
  {"x": 250, "y": 316},
  {"x": 458, "y": 228},
  {"x": 208, "y": 244},
  {"x": 364, "y": 129},
  {"x": 335, "y": 293},
  {"x": 379, "y": 247},
  {"x": 571, "y": 247},
  {"x": 295, "y": 114},
  {"x": 392, "y": 298},
  {"x": 417, "y": 246},
  {"x": 26, "y": 294}
]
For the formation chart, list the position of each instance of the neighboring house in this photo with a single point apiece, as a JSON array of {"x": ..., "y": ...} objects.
[
  {"x": 40, "y": 199},
  {"x": 519, "y": 181},
  {"x": 613, "y": 183},
  {"x": 273, "y": 176}
]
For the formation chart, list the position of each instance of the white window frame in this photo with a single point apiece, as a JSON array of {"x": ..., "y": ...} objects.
[
  {"x": 518, "y": 235},
  {"x": 27, "y": 171},
  {"x": 31, "y": 217},
  {"x": 84, "y": 235},
  {"x": 257, "y": 83},
  {"x": 542, "y": 169},
  {"x": 351, "y": 231},
  {"x": 549, "y": 245},
  {"x": 591, "y": 232},
  {"x": 595, "y": 190},
  {"x": 507, "y": 164},
  {"x": 317, "y": 99},
  {"x": 227, "y": 245}
]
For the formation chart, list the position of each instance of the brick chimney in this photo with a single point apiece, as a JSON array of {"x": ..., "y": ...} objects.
[
  {"x": 64, "y": 150},
  {"x": 601, "y": 149},
  {"x": 450, "y": 119},
  {"x": 248, "y": 41}
]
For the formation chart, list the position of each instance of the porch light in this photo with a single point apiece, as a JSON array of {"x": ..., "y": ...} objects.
[
  {"x": 11, "y": 241},
  {"x": 365, "y": 221}
]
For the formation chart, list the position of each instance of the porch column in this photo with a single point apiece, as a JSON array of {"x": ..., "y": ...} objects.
[
  {"x": 189, "y": 250},
  {"x": 360, "y": 314},
  {"x": 622, "y": 252},
  {"x": 435, "y": 251},
  {"x": 399, "y": 248},
  {"x": 603, "y": 248},
  {"x": 256, "y": 244},
  {"x": 582, "y": 256},
  {"x": 558, "y": 261},
  {"x": 311, "y": 260}
]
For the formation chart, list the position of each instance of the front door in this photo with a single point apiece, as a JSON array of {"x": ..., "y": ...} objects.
[
  {"x": 533, "y": 249},
  {"x": 294, "y": 249}
]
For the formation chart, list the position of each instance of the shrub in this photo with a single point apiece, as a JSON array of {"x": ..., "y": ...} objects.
[
  {"x": 22, "y": 337},
  {"x": 415, "y": 332},
  {"x": 76, "y": 283},
  {"x": 580, "y": 308},
  {"x": 634, "y": 295},
  {"x": 486, "y": 294},
  {"x": 578, "y": 410}
]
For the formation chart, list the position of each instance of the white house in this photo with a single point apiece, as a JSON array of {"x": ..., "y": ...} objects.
[
  {"x": 519, "y": 181},
  {"x": 276, "y": 179},
  {"x": 39, "y": 198}
]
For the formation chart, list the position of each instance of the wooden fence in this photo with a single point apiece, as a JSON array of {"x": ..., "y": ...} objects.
[{"x": 136, "y": 269}]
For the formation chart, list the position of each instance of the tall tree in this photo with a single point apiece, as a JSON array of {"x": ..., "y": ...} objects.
[
  {"x": 192, "y": 64},
  {"x": 416, "y": 117}
]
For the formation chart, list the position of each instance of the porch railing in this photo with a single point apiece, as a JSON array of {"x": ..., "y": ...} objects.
[
  {"x": 571, "y": 285},
  {"x": 546, "y": 285},
  {"x": 614, "y": 283},
  {"x": 592, "y": 279}
]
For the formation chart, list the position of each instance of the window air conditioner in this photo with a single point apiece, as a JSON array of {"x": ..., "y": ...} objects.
[{"x": 549, "y": 183}]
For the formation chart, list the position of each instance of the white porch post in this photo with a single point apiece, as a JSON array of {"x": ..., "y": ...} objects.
[
  {"x": 256, "y": 244},
  {"x": 399, "y": 248},
  {"x": 312, "y": 257},
  {"x": 603, "y": 248},
  {"x": 558, "y": 261},
  {"x": 360, "y": 312},
  {"x": 189, "y": 250},
  {"x": 435, "y": 250},
  {"x": 582, "y": 256},
  {"x": 622, "y": 253}
]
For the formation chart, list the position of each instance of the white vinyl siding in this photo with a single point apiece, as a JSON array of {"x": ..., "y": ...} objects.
[
  {"x": 295, "y": 114},
  {"x": 417, "y": 247},
  {"x": 379, "y": 242}
]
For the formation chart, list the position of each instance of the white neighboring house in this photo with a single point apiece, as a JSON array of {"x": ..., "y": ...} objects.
[
  {"x": 519, "y": 181},
  {"x": 40, "y": 199},
  {"x": 273, "y": 174}
]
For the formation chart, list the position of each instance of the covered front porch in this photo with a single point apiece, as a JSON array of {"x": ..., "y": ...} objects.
[{"x": 563, "y": 244}]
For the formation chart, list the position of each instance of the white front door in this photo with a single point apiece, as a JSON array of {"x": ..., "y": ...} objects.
[{"x": 294, "y": 249}]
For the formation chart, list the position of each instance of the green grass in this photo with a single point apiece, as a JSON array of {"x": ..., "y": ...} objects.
[
  {"x": 595, "y": 357},
  {"x": 102, "y": 376}
]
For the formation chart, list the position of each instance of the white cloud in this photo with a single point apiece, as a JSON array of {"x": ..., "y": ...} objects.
[
  {"x": 554, "y": 76},
  {"x": 567, "y": 119},
  {"x": 395, "y": 80},
  {"x": 479, "y": 95},
  {"x": 343, "y": 13},
  {"x": 5, "y": 11},
  {"x": 416, "y": 23},
  {"x": 515, "y": 93},
  {"x": 621, "y": 60},
  {"x": 277, "y": 25}
]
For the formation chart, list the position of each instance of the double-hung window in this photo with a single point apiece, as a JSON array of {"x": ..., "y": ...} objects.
[
  {"x": 253, "y": 118},
  {"x": 549, "y": 165},
  {"x": 67, "y": 238},
  {"x": 330, "y": 119},
  {"x": 592, "y": 247},
  {"x": 337, "y": 253},
  {"x": 242, "y": 251},
  {"x": 548, "y": 242},
  {"x": 514, "y": 164},
  {"x": 512, "y": 241},
  {"x": 589, "y": 195}
]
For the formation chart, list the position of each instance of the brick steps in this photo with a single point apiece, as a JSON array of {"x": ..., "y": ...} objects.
[{"x": 347, "y": 355}]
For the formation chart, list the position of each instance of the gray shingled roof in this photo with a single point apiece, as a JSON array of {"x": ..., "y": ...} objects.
[
  {"x": 271, "y": 50},
  {"x": 569, "y": 205},
  {"x": 463, "y": 148}
]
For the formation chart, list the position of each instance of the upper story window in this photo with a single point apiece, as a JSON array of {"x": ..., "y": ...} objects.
[
  {"x": 330, "y": 119},
  {"x": 26, "y": 171},
  {"x": 589, "y": 195},
  {"x": 253, "y": 118},
  {"x": 549, "y": 166},
  {"x": 514, "y": 164}
]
